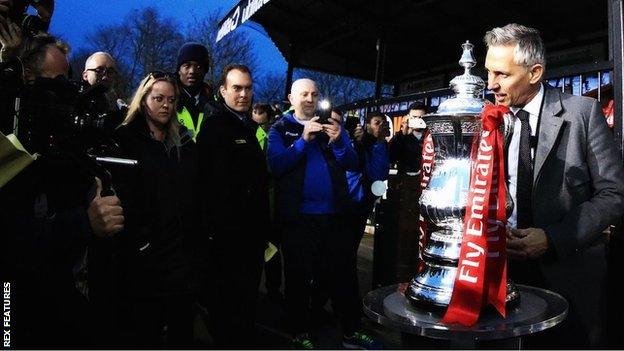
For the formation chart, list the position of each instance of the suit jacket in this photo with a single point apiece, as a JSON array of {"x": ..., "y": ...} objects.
[{"x": 578, "y": 191}]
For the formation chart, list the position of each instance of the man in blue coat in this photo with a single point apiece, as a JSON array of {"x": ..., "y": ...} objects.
[{"x": 309, "y": 161}]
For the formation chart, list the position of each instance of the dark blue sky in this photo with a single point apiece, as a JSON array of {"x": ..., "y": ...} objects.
[{"x": 73, "y": 19}]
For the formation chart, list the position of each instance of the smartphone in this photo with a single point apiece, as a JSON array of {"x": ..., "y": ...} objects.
[
  {"x": 350, "y": 124},
  {"x": 324, "y": 111},
  {"x": 416, "y": 123}
]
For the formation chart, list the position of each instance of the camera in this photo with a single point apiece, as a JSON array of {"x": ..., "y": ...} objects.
[
  {"x": 31, "y": 24},
  {"x": 416, "y": 123},
  {"x": 350, "y": 125},
  {"x": 324, "y": 110},
  {"x": 56, "y": 115},
  {"x": 61, "y": 120},
  {"x": 386, "y": 128}
]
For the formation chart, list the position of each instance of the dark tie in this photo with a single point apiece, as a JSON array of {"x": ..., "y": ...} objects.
[{"x": 525, "y": 173}]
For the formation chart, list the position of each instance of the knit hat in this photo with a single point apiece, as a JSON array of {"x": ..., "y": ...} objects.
[{"x": 193, "y": 52}]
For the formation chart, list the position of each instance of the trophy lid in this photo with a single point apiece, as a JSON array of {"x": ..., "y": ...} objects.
[{"x": 467, "y": 88}]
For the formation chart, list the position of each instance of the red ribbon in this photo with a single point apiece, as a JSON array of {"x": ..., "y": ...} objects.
[
  {"x": 427, "y": 163},
  {"x": 482, "y": 269}
]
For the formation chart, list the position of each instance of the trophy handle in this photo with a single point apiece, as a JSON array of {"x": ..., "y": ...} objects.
[{"x": 507, "y": 128}]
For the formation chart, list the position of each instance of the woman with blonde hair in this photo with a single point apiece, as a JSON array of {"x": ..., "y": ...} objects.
[{"x": 154, "y": 255}]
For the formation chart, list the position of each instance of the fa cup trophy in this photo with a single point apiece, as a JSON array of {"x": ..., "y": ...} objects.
[{"x": 453, "y": 130}]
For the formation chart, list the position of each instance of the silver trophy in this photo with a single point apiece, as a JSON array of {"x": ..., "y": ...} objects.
[{"x": 443, "y": 202}]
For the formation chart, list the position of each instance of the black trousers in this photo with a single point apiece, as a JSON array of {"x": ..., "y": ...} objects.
[
  {"x": 357, "y": 224},
  {"x": 156, "y": 322},
  {"x": 231, "y": 292},
  {"x": 273, "y": 273},
  {"x": 48, "y": 316},
  {"x": 319, "y": 260}
]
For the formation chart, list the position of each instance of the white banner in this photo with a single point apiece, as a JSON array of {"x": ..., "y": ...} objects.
[{"x": 238, "y": 15}]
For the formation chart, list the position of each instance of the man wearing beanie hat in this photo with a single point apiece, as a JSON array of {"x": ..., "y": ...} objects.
[{"x": 192, "y": 65}]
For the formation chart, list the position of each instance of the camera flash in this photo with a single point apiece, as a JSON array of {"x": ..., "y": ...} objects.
[{"x": 324, "y": 104}]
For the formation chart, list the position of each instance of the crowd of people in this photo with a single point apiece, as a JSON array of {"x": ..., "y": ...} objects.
[
  {"x": 131, "y": 260},
  {"x": 128, "y": 257}
]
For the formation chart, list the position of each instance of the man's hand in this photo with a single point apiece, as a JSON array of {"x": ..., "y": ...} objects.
[
  {"x": 404, "y": 128},
  {"x": 526, "y": 244},
  {"x": 333, "y": 130},
  {"x": 5, "y": 5},
  {"x": 10, "y": 39},
  {"x": 44, "y": 9},
  {"x": 105, "y": 214},
  {"x": 310, "y": 128},
  {"x": 358, "y": 133}
]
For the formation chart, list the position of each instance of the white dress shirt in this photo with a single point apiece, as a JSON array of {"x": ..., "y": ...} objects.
[{"x": 533, "y": 108}]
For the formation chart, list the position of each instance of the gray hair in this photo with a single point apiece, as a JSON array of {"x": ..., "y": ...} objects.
[
  {"x": 529, "y": 48},
  {"x": 32, "y": 51}
]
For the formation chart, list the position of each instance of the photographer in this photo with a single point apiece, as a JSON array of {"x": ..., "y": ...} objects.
[
  {"x": 309, "y": 160},
  {"x": 52, "y": 209},
  {"x": 406, "y": 145},
  {"x": 374, "y": 164},
  {"x": 10, "y": 37},
  {"x": 100, "y": 76},
  {"x": 370, "y": 145},
  {"x": 14, "y": 19},
  {"x": 10, "y": 40}
]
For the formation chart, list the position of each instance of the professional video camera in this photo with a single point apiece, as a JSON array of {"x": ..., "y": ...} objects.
[
  {"x": 52, "y": 112},
  {"x": 31, "y": 24},
  {"x": 59, "y": 118}
]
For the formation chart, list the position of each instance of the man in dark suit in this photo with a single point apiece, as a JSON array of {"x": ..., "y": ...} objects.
[
  {"x": 565, "y": 176},
  {"x": 234, "y": 189}
]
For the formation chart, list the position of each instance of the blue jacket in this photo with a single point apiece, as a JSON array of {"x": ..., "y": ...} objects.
[
  {"x": 374, "y": 166},
  {"x": 310, "y": 176}
]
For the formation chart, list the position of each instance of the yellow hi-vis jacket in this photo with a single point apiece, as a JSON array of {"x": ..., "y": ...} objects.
[{"x": 185, "y": 119}]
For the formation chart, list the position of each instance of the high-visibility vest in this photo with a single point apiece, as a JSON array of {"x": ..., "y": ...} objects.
[
  {"x": 262, "y": 137},
  {"x": 185, "y": 119}
]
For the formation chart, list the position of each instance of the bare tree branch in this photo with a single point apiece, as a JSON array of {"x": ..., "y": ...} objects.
[
  {"x": 144, "y": 41},
  {"x": 269, "y": 88},
  {"x": 234, "y": 48}
]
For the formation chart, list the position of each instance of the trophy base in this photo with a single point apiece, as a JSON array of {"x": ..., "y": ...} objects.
[{"x": 436, "y": 299}]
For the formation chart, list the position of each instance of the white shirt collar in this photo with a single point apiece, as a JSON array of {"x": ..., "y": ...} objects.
[
  {"x": 300, "y": 121},
  {"x": 533, "y": 107}
]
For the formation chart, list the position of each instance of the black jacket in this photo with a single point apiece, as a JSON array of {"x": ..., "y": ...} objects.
[
  {"x": 234, "y": 177},
  {"x": 160, "y": 202},
  {"x": 406, "y": 150},
  {"x": 44, "y": 230}
]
